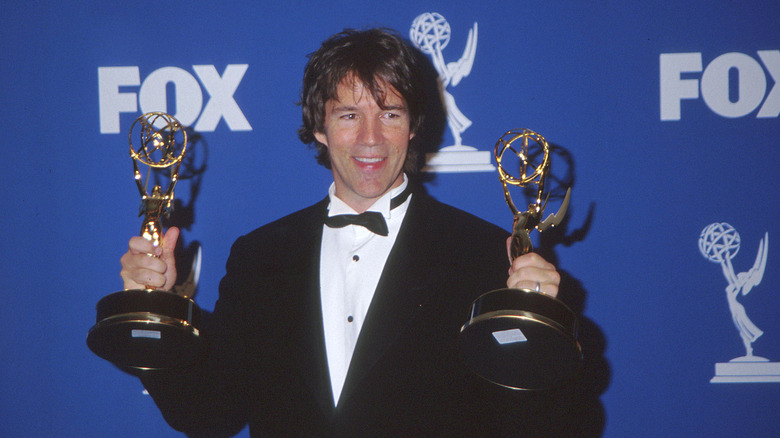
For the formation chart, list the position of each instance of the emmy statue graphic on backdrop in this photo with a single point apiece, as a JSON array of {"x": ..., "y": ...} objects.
[
  {"x": 520, "y": 338},
  {"x": 719, "y": 243},
  {"x": 430, "y": 32},
  {"x": 149, "y": 328}
]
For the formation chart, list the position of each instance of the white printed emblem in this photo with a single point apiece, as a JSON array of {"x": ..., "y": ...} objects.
[
  {"x": 430, "y": 32},
  {"x": 719, "y": 243}
]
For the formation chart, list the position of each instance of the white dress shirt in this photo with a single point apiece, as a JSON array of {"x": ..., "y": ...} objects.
[{"x": 351, "y": 261}]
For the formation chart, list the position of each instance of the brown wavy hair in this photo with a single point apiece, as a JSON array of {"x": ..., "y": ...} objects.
[{"x": 373, "y": 57}]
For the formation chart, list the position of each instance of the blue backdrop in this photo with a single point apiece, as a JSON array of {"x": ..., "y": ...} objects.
[{"x": 663, "y": 117}]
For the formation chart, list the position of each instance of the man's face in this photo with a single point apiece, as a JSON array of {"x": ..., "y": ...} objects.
[{"x": 367, "y": 144}]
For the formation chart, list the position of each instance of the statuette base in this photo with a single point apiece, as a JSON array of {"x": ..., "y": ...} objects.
[
  {"x": 147, "y": 329},
  {"x": 521, "y": 339}
]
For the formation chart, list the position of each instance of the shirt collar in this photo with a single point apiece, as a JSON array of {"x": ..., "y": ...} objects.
[{"x": 382, "y": 205}]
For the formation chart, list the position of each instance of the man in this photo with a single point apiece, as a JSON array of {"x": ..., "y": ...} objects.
[{"x": 324, "y": 328}]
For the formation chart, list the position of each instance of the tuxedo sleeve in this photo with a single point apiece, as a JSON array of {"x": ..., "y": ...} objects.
[{"x": 210, "y": 398}]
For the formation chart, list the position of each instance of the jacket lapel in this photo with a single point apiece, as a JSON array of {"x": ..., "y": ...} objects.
[
  {"x": 311, "y": 359},
  {"x": 404, "y": 287}
]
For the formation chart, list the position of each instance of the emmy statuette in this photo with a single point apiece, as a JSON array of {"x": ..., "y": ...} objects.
[
  {"x": 520, "y": 338},
  {"x": 148, "y": 328}
]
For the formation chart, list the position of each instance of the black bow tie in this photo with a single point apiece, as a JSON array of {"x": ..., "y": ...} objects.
[{"x": 372, "y": 220}]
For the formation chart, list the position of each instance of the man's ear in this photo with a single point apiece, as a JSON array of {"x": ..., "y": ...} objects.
[{"x": 321, "y": 137}]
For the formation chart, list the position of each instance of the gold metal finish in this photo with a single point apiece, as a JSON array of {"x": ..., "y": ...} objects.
[
  {"x": 530, "y": 173},
  {"x": 163, "y": 143},
  {"x": 521, "y": 338},
  {"x": 145, "y": 329}
]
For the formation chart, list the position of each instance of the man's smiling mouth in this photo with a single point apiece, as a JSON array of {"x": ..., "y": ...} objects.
[{"x": 369, "y": 160}]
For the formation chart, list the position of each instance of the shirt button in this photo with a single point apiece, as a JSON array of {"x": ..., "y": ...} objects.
[
  {"x": 350, "y": 318},
  {"x": 355, "y": 258}
]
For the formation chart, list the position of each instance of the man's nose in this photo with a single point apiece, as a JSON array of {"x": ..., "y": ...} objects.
[{"x": 370, "y": 131}]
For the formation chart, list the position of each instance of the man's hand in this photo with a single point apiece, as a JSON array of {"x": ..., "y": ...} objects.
[
  {"x": 144, "y": 265},
  {"x": 531, "y": 270}
]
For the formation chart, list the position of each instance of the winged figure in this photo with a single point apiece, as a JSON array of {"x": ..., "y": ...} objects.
[
  {"x": 743, "y": 283},
  {"x": 451, "y": 74}
]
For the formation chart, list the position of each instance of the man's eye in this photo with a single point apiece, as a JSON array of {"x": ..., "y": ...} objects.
[{"x": 350, "y": 116}]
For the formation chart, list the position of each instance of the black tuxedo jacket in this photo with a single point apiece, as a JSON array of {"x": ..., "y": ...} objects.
[{"x": 267, "y": 363}]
